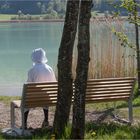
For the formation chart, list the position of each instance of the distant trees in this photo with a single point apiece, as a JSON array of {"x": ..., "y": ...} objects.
[
  {"x": 51, "y": 8},
  {"x": 56, "y": 8}
]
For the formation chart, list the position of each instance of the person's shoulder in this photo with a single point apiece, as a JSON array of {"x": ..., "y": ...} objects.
[
  {"x": 31, "y": 69},
  {"x": 48, "y": 67}
]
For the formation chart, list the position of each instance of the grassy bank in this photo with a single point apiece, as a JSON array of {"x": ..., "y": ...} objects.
[
  {"x": 6, "y": 17},
  {"x": 8, "y": 99}
]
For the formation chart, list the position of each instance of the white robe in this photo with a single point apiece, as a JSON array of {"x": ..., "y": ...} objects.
[{"x": 41, "y": 72}]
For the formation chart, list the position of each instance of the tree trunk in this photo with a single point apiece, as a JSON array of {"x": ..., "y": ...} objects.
[
  {"x": 137, "y": 44},
  {"x": 78, "y": 123},
  {"x": 65, "y": 68}
]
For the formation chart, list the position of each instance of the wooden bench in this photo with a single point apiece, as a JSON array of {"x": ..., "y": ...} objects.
[{"x": 98, "y": 90}]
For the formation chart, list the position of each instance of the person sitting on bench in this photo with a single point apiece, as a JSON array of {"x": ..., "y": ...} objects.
[{"x": 40, "y": 72}]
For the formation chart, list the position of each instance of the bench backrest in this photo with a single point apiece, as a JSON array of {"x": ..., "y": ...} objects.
[{"x": 98, "y": 90}]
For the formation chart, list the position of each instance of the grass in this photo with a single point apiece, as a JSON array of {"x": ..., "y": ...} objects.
[
  {"x": 111, "y": 131},
  {"x": 8, "y": 99},
  {"x": 93, "y": 131},
  {"x": 6, "y": 17}
]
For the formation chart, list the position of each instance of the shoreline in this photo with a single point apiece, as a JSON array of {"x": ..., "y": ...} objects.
[
  {"x": 59, "y": 20},
  {"x": 20, "y": 21}
]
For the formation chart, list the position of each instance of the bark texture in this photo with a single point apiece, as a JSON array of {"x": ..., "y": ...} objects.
[
  {"x": 78, "y": 123},
  {"x": 65, "y": 68}
]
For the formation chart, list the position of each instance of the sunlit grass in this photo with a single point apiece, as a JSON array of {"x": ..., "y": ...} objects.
[
  {"x": 8, "y": 99},
  {"x": 6, "y": 16}
]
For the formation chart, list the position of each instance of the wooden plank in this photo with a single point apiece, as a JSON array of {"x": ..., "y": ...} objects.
[
  {"x": 107, "y": 95},
  {"x": 109, "y": 86},
  {"x": 108, "y": 89},
  {"x": 43, "y": 96},
  {"x": 41, "y": 88},
  {"x": 110, "y": 82},
  {"x": 41, "y": 83},
  {"x": 112, "y": 79},
  {"x": 17, "y": 103},
  {"x": 41, "y": 92},
  {"x": 107, "y": 92},
  {"x": 107, "y": 99}
]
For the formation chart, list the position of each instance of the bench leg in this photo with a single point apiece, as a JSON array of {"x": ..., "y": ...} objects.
[
  {"x": 130, "y": 107},
  {"x": 22, "y": 121},
  {"x": 12, "y": 115}
]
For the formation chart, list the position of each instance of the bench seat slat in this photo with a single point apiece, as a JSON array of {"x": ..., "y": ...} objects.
[
  {"x": 108, "y": 89},
  {"x": 40, "y": 83},
  {"x": 40, "y": 89},
  {"x": 41, "y": 96},
  {"x": 109, "y": 85},
  {"x": 41, "y": 92},
  {"x": 107, "y": 95},
  {"x": 107, "y": 100},
  {"x": 109, "y": 82},
  {"x": 107, "y": 92},
  {"x": 112, "y": 79},
  {"x": 42, "y": 86}
]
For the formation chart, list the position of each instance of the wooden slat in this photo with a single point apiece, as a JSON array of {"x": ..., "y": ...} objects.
[
  {"x": 109, "y": 85},
  {"x": 107, "y": 95},
  {"x": 17, "y": 103},
  {"x": 41, "y": 89},
  {"x": 41, "y": 96},
  {"x": 41, "y": 83},
  {"x": 41, "y": 99},
  {"x": 109, "y": 82},
  {"x": 108, "y": 89},
  {"x": 107, "y": 92},
  {"x": 111, "y": 79},
  {"x": 41, "y": 92},
  {"x": 107, "y": 99}
]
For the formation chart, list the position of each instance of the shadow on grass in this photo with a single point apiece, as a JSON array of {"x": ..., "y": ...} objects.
[{"x": 36, "y": 134}]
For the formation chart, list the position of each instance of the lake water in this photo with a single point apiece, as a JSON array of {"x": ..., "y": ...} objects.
[{"x": 17, "y": 40}]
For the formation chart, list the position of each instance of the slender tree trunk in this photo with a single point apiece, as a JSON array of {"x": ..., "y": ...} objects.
[
  {"x": 137, "y": 44},
  {"x": 65, "y": 68},
  {"x": 78, "y": 123}
]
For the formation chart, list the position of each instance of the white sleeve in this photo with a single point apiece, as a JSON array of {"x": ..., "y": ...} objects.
[{"x": 29, "y": 79}]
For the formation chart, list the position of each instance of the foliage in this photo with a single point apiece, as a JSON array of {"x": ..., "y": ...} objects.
[
  {"x": 129, "y": 6},
  {"x": 123, "y": 39}
]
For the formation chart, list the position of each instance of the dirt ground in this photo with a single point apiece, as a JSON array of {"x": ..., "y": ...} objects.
[{"x": 36, "y": 116}]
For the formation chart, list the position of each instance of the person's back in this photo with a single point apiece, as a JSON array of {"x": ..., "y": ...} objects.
[{"x": 40, "y": 72}]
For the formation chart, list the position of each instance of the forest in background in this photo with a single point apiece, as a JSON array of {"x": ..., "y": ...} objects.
[{"x": 51, "y": 8}]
